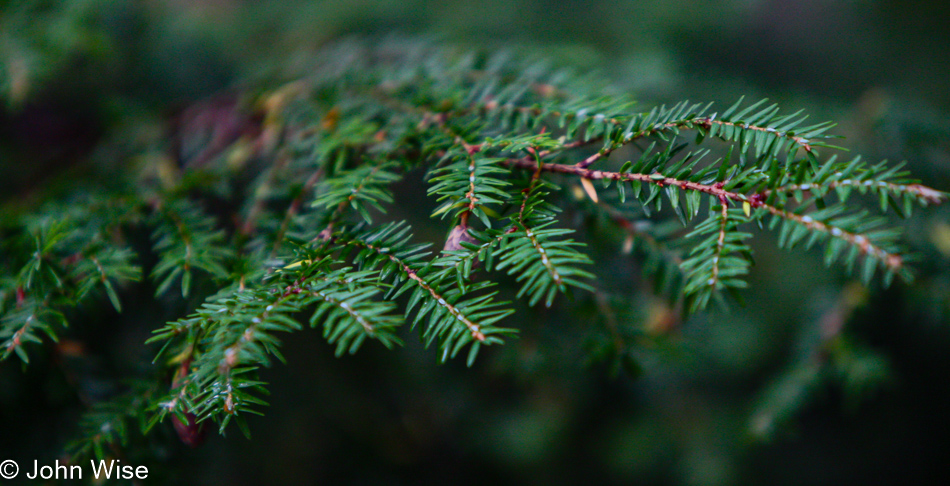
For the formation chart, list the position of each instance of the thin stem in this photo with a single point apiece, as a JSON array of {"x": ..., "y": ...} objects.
[
  {"x": 530, "y": 234},
  {"x": 470, "y": 151}
]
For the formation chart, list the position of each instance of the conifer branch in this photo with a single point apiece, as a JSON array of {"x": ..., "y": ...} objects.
[
  {"x": 111, "y": 423},
  {"x": 361, "y": 188},
  {"x": 892, "y": 261},
  {"x": 917, "y": 191},
  {"x": 489, "y": 138},
  {"x": 863, "y": 244},
  {"x": 187, "y": 239},
  {"x": 657, "y": 179},
  {"x": 474, "y": 328}
]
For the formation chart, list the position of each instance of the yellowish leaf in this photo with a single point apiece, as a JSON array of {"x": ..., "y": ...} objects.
[
  {"x": 589, "y": 189},
  {"x": 627, "y": 245},
  {"x": 296, "y": 264},
  {"x": 940, "y": 237}
]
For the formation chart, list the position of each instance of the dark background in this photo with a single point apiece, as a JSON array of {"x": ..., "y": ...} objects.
[{"x": 534, "y": 411}]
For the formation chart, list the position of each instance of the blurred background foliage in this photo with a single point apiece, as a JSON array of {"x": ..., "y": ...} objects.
[{"x": 816, "y": 380}]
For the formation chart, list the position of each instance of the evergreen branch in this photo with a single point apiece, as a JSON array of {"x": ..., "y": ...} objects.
[
  {"x": 918, "y": 191},
  {"x": 186, "y": 239},
  {"x": 68, "y": 260},
  {"x": 656, "y": 179},
  {"x": 230, "y": 335},
  {"x": 863, "y": 244},
  {"x": 107, "y": 424},
  {"x": 472, "y": 173},
  {"x": 469, "y": 183},
  {"x": 109, "y": 265},
  {"x": 347, "y": 299},
  {"x": 765, "y": 126},
  {"x": 543, "y": 263},
  {"x": 526, "y": 193},
  {"x": 717, "y": 261},
  {"x": 361, "y": 188},
  {"x": 500, "y": 108},
  {"x": 725, "y": 127},
  {"x": 742, "y": 127},
  {"x": 768, "y": 132},
  {"x": 476, "y": 330},
  {"x": 43, "y": 271},
  {"x": 23, "y": 325},
  {"x": 254, "y": 343},
  {"x": 887, "y": 183},
  {"x": 457, "y": 315},
  {"x": 555, "y": 276},
  {"x": 486, "y": 132}
]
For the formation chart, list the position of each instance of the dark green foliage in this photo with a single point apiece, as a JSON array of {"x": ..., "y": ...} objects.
[
  {"x": 545, "y": 262},
  {"x": 720, "y": 258},
  {"x": 112, "y": 423},
  {"x": 454, "y": 318},
  {"x": 361, "y": 189},
  {"x": 292, "y": 224},
  {"x": 59, "y": 262},
  {"x": 186, "y": 240}
]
